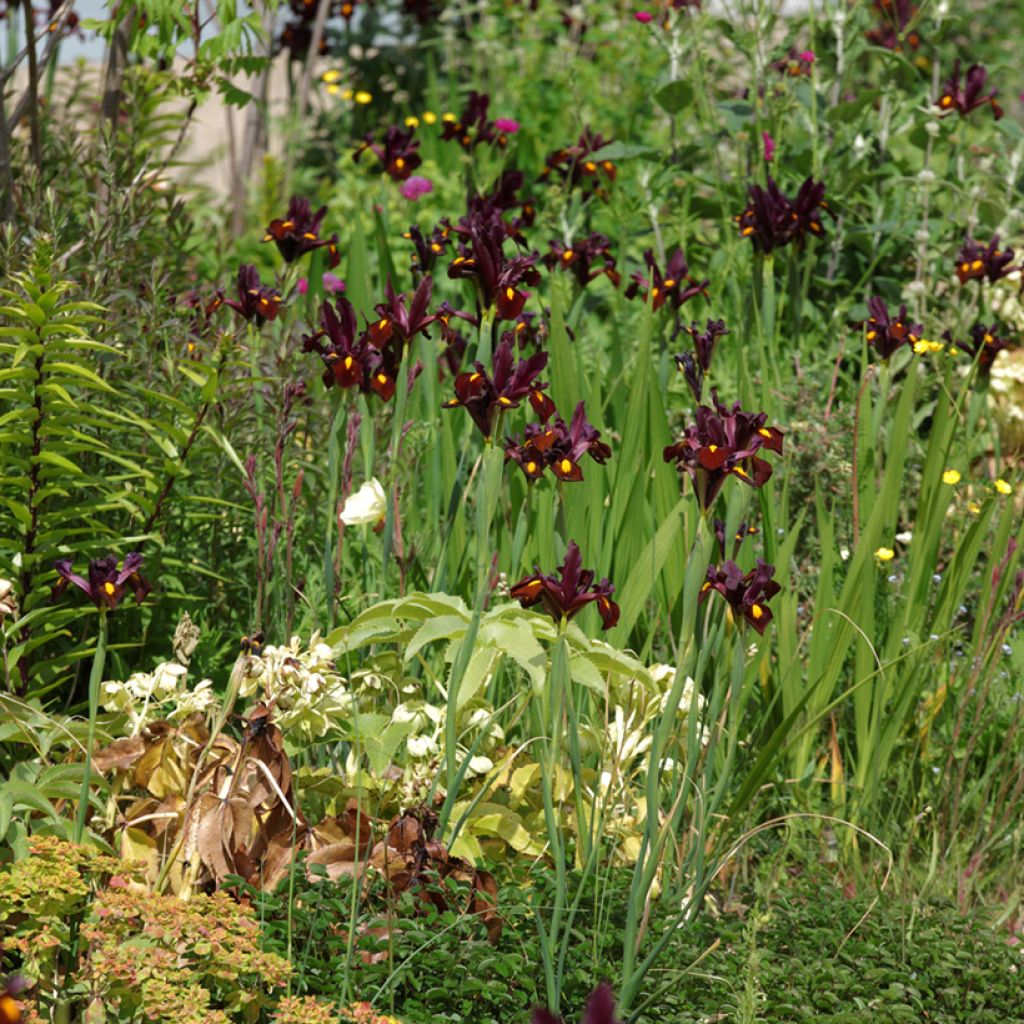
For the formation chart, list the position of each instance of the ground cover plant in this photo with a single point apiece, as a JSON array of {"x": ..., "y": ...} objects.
[{"x": 522, "y": 523}]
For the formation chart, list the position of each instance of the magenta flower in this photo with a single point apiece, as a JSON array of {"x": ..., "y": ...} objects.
[
  {"x": 808, "y": 56},
  {"x": 507, "y": 125},
  {"x": 643, "y": 16},
  {"x": 416, "y": 186},
  {"x": 333, "y": 283},
  {"x": 302, "y": 286},
  {"x": 769, "y": 147}
]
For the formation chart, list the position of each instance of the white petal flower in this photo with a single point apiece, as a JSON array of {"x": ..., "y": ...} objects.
[{"x": 367, "y": 505}]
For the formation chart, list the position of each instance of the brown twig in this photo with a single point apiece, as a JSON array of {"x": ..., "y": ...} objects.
[{"x": 35, "y": 134}]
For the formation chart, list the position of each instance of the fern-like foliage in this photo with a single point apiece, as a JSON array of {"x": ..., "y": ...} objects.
[{"x": 69, "y": 484}]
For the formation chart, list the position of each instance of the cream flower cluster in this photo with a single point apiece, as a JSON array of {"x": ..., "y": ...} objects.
[
  {"x": 161, "y": 694},
  {"x": 302, "y": 684}
]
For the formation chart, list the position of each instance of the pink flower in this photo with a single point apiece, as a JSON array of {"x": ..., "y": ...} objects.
[
  {"x": 808, "y": 56},
  {"x": 333, "y": 283},
  {"x": 416, "y": 186},
  {"x": 769, "y": 147},
  {"x": 507, "y": 125},
  {"x": 644, "y": 16},
  {"x": 302, "y": 286}
]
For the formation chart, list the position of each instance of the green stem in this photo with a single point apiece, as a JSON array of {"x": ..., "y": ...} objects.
[{"x": 95, "y": 679}]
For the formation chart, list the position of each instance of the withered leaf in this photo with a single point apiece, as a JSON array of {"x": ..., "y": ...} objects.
[{"x": 121, "y": 754}]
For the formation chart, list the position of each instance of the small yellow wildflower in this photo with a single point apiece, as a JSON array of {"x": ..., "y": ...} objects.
[
  {"x": 332, "y": 76},
  {"x": 429, "y": 117},
  {"x": 885, "y": 554},
  {"x": 922, "y": 345},
  {"x": 951, "y": 477},
  {"x": 1003, "y": 487},
  {"x": 346, "y": 94},
  {"x": 363, "y": 97},
  {"x": 412, "y": 122},
  {"x": 973, "y": 507},
  {"x": 333, "y": 90},
  {"x": 448, "y": 117}
]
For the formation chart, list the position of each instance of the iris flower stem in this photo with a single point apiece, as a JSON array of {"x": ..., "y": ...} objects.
[
  {"x": 548, "y": 720},
  {"x": 656, "y": 835},
  {"x": 95, "y": 679}
]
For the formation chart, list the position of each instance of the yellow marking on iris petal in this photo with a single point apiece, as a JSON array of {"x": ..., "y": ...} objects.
[
  {"x": 764, "y": 432},
  {"x": 747, "y": 231},
  {"x": 399, "y": 163},
  {"x": 510, "y": 294},
  {"x": 503, "y": 400},
  {"x": 757, "y": 611},
  {"x": 567, "y": 255},
  {"x": 739, "y": 470},
  {"x": 590, "y": 166},
  {"x": 565, "y": 466},
  {"x": 288, "y": 224},
  {"x": 348, "y": 362},
  {"x": 110, "y": 588},
  {"x": 669, "y": 282},
  {"x": 311, "y": 235},
  {"x": 382, "y": 324},
  {"x": 531, "y": 467},
  {"x": 977, "y": 265},
  {"x": 707, "y": 586},
  {"x": 712, "y": 448},
  {"x": 382, "y": 378},
  {"x": 436, "y": 247}
]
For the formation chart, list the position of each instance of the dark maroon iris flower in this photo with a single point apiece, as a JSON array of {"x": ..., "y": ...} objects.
[
  {"x": 563, "y": 597},
  {"x": 106, "y": 582},
  {"x": 895, "y": 16},
  {"x": 984, "y": 344},
  {"x": 397, "y": 152},
  {"x": 742, "y": 533},
  {"x": 748, "y": 594},
  {"x": 580, "y": 165},
  {"x": 976, "y": 262},
  {"x": 772, "y": 220},
  {"x": 481, "y": 258},
  {"x": 558, "y": 447},
  {"x": 886, "y": 334},
  {"x": 694, "y": 365},
  {"x": 484, "y": 395},
  {"x": 675, "y": 286},
  {"x": 473, "y": 127},
  {"x": 255, "y": 300},
  {"x": 428, "y": 248},
  {"x": 395, "y": 316},
  {"x": 585, "y": 259},
  {"x": 970, "y": 94},
  {"x": 351, "y": 359},
  {"x": 600, "y": 1006},
  {"x": 299, "y": 232},
  {"x": 724, "y": 442}
]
